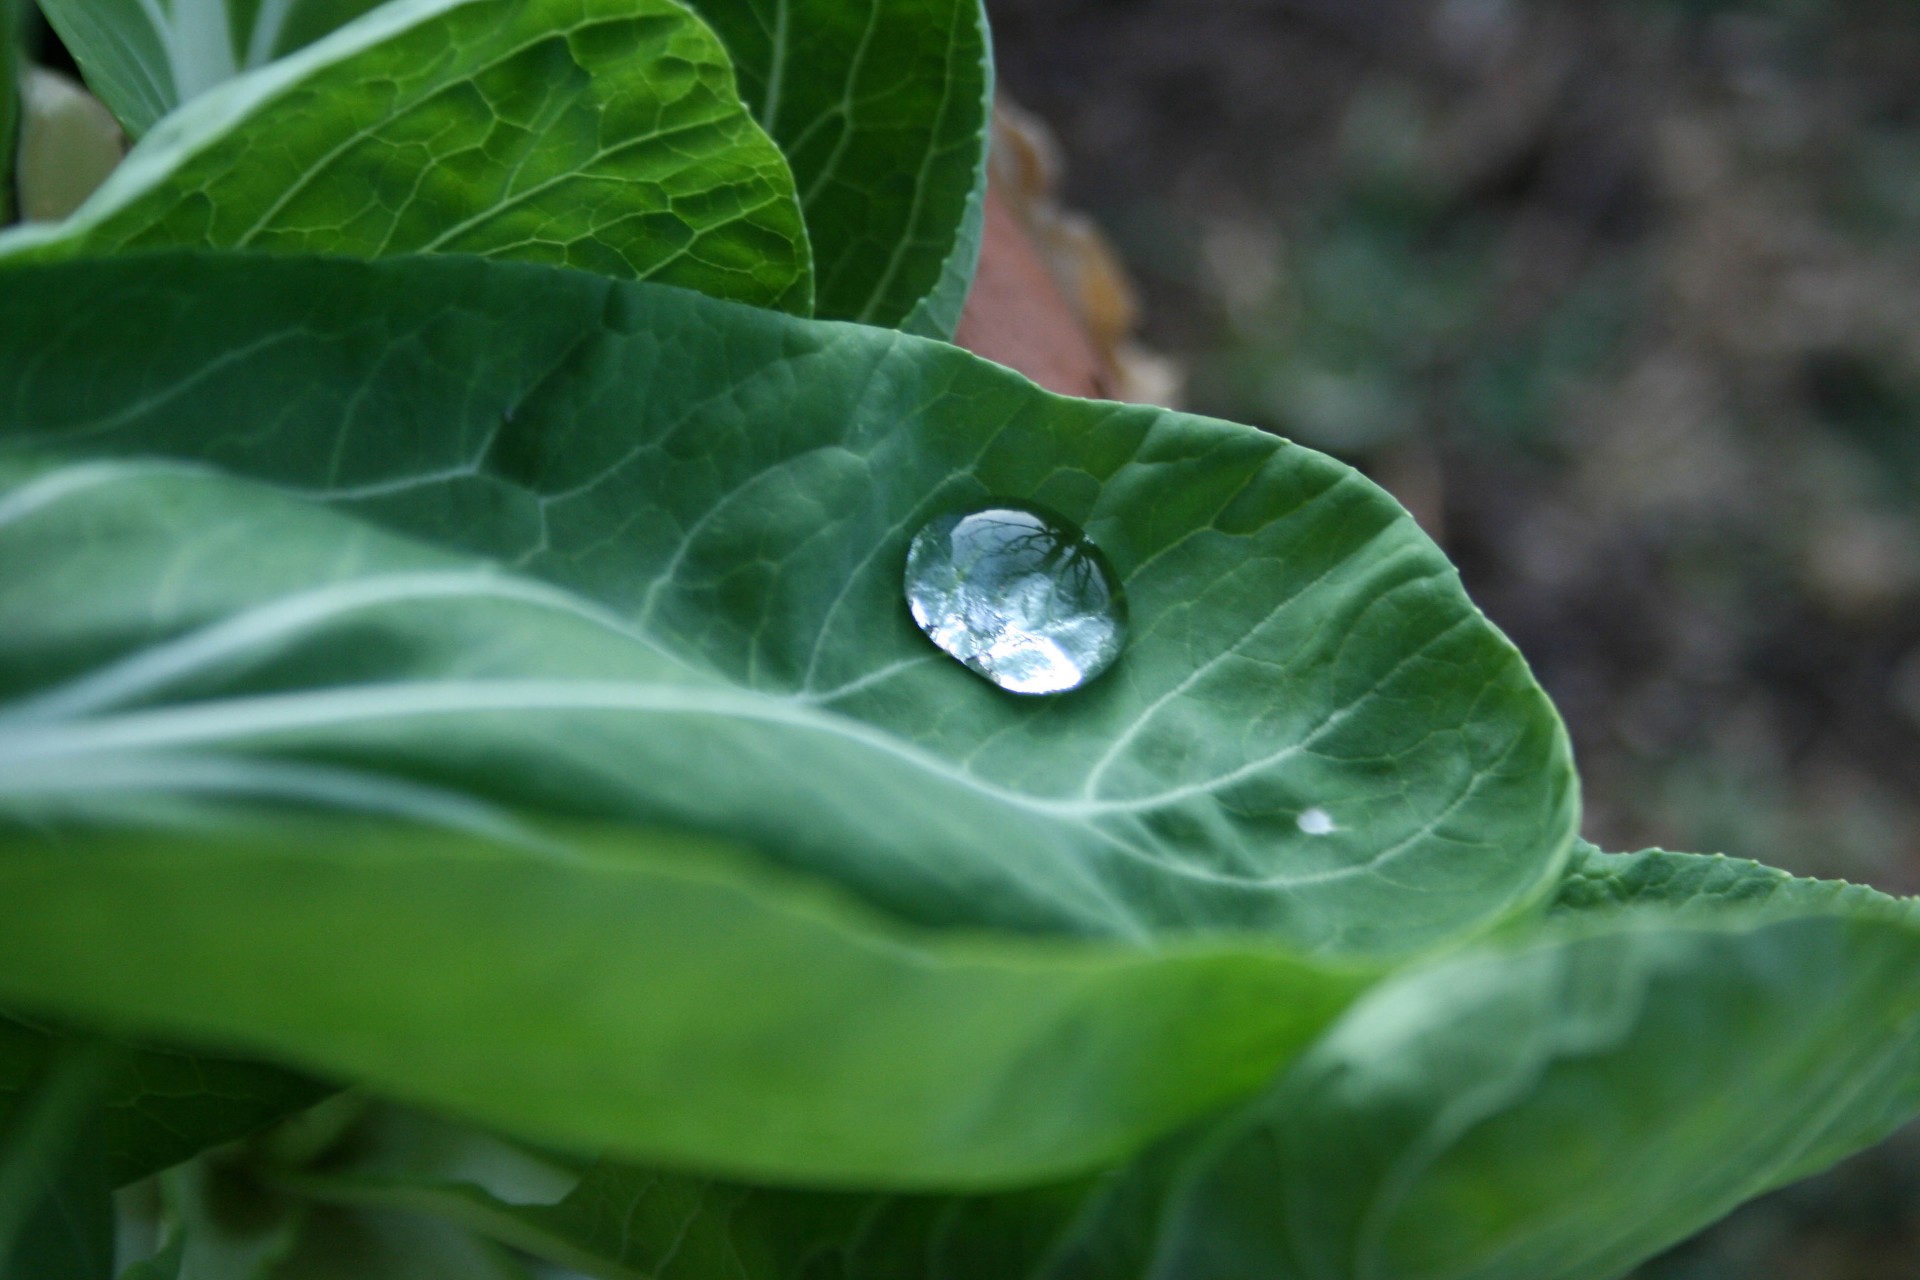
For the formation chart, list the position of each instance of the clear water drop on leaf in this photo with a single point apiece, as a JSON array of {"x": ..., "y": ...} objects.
[{"x": 1017, "y": 594}]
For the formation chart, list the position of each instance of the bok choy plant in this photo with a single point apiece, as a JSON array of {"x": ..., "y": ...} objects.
[{"x": 477, "y": 803}]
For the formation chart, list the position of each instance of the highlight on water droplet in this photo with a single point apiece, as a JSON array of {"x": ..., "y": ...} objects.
[
  {"x": 1316, "y": 822},
  {"x": 1017, "y": 594}
]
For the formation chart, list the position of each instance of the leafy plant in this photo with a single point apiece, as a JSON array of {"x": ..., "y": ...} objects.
[{"x": 472, "y": 793}]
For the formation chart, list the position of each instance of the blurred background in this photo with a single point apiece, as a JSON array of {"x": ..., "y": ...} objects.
[{"x": 1622, "y": 300}]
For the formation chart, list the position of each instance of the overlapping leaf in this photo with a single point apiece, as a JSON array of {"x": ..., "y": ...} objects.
[
  {"x": 733, "y": 493},
  {"x": 569, "y": 994},
  {"x": 1667, "y": 888},
  {"x": 1558, "y": 1109},
  {"x": 598, "y": 134},
  {"x": 159, "y": 1108},
  {"x": 1525, "y": 1111},
  {"x": 882, "y": 107}
]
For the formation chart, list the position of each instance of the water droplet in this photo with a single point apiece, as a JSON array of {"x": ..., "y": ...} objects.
[
  {"x": 1018, "y": 595},
  {"x": 1316, "y": 822}
]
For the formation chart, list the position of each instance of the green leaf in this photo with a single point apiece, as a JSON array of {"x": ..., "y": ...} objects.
[
  {"x": 1656, "y": 886},
  {"x": 722, "y": 498},
  {"x": 598, "y": 134},
  {"x": 163, "y": 1107},
  {"x": 146, "y": 57},
  {"x": 883, "y": 108},
  {"x": 56, "y": 1215},
  {"x": 159, "y": 1108},
  {"x": 659, "y": 1001},
  {"x": 1562, "y": 1109},
  {"x": 1667, "y": 887},
  {"x": 937, "y": 315}
]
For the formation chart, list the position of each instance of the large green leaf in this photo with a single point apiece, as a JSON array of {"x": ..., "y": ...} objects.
[
  {"x": 1605, "y": 888},
  {"x": 599, "y": 134},
  {"x": 1556, "y": 1110},
  {"x": 883, "y": 108},
  {"x": 726, "y": 495},
  {"x": 159, "y": 1108},
  {"x": 146, "y": 57},
  {"x": 658, "y": 1001}
]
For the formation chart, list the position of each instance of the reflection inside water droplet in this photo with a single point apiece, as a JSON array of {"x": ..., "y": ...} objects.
[
  {"x": 1018, "y": 595},
  {"x": 1316, "y": 822}
]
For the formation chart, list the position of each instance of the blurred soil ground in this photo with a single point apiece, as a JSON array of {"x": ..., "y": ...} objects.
[{"x": 1623, "y": 301}]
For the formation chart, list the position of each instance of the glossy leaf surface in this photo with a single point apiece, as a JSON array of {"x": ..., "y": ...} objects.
[
  {"x": 597, "y": 134},
  {"x": 720, "y": 500}
]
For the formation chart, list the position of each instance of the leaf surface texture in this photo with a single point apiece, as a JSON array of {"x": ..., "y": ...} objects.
[
  {"x": 678, "y": 530},
  {"x": 603, "y": 135},
  {"x": 883, "y": 109}
]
